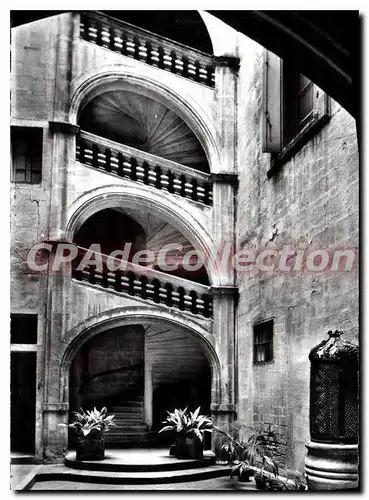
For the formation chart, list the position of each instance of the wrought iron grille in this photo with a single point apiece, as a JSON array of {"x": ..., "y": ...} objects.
[{"x": 334, "y": 391}]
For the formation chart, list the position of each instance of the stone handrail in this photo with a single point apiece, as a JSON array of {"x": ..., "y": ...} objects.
[
  {"x": 127, "y": 162},
  {"x": 147, "y": 283},
  {"x": 147, "y": 47}
]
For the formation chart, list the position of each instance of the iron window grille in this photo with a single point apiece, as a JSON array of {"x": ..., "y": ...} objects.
[{"x": 263, "y": 342}]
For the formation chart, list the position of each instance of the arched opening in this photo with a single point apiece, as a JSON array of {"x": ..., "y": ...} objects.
[
  {"x": 136, "y": 230},
  {"x": 139, "y": 371},
  {"x": 145, "y": 124}
]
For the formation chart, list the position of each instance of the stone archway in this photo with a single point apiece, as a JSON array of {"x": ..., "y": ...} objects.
[
  {"x": 136, "y": 318},
  {"x": 128, "y": 195},
  {"x": 121, "y": 77}
]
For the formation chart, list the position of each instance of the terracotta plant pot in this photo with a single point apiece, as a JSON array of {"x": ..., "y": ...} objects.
[
  {"x": 189, "y": 448},
  {"x": 90, "y": 448}
]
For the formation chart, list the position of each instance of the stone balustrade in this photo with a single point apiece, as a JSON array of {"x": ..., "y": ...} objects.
[
  {"x": 147, "y": 47},
  {"x": 139, "y": 166},
  {"x": 148, "y": 284}
]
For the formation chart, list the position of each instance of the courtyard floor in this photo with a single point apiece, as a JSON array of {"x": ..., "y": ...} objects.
[{"x": 214, "y": 484}]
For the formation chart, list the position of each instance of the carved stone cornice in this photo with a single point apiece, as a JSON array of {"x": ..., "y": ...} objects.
[
  {"x": 231, "y": 62},
  {"x": 56, "y": 406},
  {"x": 217, "y": 408},
  {"x": 225, "y": 178},
  {"x": 224, "y": 290},
  {"x": 64, "y": 127}
]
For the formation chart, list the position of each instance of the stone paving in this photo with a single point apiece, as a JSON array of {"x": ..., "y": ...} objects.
[{"x": 215, "y": 484}]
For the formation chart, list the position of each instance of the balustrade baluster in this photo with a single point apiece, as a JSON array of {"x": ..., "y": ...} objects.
[
  {"x": 156, "y": 296},
  {"x": 91, "y": 273},
  {"x": 118, "y": 281},
  {"x": 107, "y": 160},
  {"x": 169, "y": 299},
  {"x": 98, "y": 33},
  {"x": 161, "y": 57},
  {"x": 77, "y": 274},
  {"x": 158, "y": 177},
  {"x": 181, "y": 300},
  {"x": 111, "y": 39},
  {"x": 173, "y": 57},
  {"x": 207, "y": 187},
  {"x": 209, "y": 75},
  {"x": 170, "y": 181},
  {"x": 185, "y": 66},
  {"x": 182, "y": 179},
  {"x": 81, "y": 151},
  {"x": 131, "y": 283},
  {"x": 87, "y": 24},
  {"x": 133, "y": 174},
  {"x": 146, "y": 169},
  {"x": 148, "y": 53},
  {"x": 136, "y": 53},
  {"x": 194, "y": 189},
  {"x": 123, "y": 49},
  {"x": 104, "y": 281},
  {"x": 143, "y": 281},
  {"x": 120, "y": 170},
  {"x": 207, "y": 305},
  {"x": 193, "y": 296},
  {"x": 197, "y": 70},
  {"x": 95, "y": 156}
]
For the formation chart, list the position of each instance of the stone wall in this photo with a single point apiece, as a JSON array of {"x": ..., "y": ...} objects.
[{"x": 312, "y": 202}]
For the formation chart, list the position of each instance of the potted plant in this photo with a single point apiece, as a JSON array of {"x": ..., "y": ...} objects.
[
  {"x": 228, "y": 443},
  {"x": 250, "y": 456},
  {"x": 90, "y": 428},
  {"x": 189, "y": 428}
]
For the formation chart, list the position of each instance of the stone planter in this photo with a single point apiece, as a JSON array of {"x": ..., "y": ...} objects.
[
  {"x": 90, "y": 448},
  {"x": 189, "y": 448}
]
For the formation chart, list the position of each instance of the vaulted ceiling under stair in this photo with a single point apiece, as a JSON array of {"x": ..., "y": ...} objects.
[{"x": 143, "y": 123}]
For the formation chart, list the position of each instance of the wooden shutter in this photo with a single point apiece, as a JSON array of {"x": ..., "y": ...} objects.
[
  {"x": 321, "y": 103},
  {"x": 272, "y": 131}
]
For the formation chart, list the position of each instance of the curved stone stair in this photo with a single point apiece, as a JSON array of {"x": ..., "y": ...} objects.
[{"x": 130, "y": 428}]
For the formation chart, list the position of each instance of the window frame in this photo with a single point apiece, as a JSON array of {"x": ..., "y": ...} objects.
[
  {"x": 31, "y": 161},
  {"x": 259, "y": 329},
  {"x": 273, "y": 115}
]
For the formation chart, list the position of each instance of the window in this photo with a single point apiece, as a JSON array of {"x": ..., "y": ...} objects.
[
  {"x": 298, "y": 103},
  {"x": 293, "y": 108},
  {"x": 26, "y": 154},
  {"x": 263, "y": 342},
  {"x": 23, "y": 328}
]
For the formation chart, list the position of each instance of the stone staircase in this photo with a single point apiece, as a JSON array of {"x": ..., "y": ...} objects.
[{"x": 130, "y": 428}]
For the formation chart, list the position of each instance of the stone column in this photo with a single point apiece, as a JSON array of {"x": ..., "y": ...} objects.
[
  {"x": 148, "y": 396},
  {"x": 59, "y": 280},
  {"x": 225, "y": 184}
]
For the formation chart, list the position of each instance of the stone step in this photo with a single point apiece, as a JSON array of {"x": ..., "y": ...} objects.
[
  {"x": 50, "y": 473},
  {"x": 132, "y": 463}
]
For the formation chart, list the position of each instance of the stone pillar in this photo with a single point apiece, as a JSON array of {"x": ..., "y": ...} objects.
[
  {"x": 226, "y": 74},
  {"x": 225, "y": 184},
  {"x": 58, "y": 285},
  {"x": 64, "y": 152},
  {"x": 148, "y": 396},
  {"x": 223, "y": 411}
]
